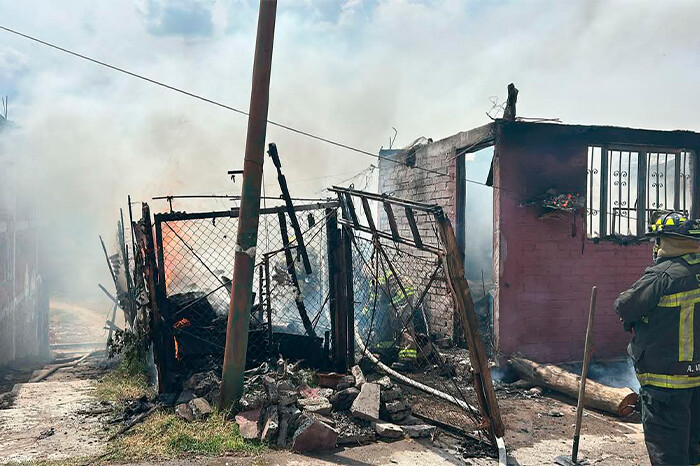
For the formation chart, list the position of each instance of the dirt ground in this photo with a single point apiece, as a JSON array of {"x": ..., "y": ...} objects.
[
  {"x": 538, "y": 429},
  {"x": 405, "y": 452},
  {"x": 47, "y": 421},
  {"x": 55, "y": 419}
]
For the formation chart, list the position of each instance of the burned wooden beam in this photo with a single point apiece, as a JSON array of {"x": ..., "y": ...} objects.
[
  {"x": 291, "y": 269},
  {"x": 144, "y": 236},
  {"x": 368, "y": 214},
  {"x": 299, "y": 236},
  {"x": 336, "y": 291},
  {"x": 392, "y": 220},
  {"x": 483, "y": 385},
  {"x": 509, "y": 112},
  {"x": 109, "y": 263},
  {"x": 414, "y": 227},
  {"x": 350, "y": 206}
]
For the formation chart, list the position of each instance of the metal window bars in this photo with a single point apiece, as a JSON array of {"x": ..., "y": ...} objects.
[{"x": 626, "y": 185}]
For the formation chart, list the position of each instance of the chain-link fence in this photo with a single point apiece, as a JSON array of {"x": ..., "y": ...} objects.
[{"x": 290, "y": 312}]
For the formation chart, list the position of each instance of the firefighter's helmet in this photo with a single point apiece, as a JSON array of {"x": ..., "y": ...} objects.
[{"x": 675, "y": 224}]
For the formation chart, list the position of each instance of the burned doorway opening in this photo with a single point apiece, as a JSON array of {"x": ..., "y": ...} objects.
[{"x": 474, "y": 218}]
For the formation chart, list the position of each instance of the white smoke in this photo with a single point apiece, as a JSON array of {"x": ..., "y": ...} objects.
[{"x": 348, "y": 70}]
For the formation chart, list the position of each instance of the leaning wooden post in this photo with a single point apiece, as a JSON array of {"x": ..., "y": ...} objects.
[
  {"x": 247, "y": 237},
  {"x": 465, "y": 306},
  {"x": 587, "y": 353}
]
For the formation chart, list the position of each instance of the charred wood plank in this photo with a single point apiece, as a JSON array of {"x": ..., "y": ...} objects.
[
  {"x": 368, "y": 214},
  {"x": 109, "y": 264},
  {"x": 483, "y": 385},
  {"x": 392, "y": 220},
  {"x": 235, "y": 212},
  {"x": 334, "y": 287},
  {"x": 160, "y": 334},
  {"x": 352, "y": 214},
  {"x": 272, "y": 150},
  {"x": 291, "y": 269},
  {"x": 414, "y": 227}
]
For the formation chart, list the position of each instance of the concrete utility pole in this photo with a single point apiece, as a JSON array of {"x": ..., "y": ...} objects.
[{"x": 247, "y": 238}]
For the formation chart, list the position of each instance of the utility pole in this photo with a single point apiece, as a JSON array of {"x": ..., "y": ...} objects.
[{"x": 247, "y": 237}]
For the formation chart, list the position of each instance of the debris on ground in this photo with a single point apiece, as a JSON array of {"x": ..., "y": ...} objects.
[
  {"x": 46, "y": 433},
  {"x": 289, "y": 406}
]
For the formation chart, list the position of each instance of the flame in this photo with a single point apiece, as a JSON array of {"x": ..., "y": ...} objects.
[
  {"x": 182, "y": 323},
  {"x": 177, "y": 350},
  {"x": 171, "y": 250}
]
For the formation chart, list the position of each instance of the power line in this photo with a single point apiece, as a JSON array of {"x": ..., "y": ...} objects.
[{"x": 210, "y": 101}]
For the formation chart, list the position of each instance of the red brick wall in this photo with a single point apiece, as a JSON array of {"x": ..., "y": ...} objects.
[{"x": 544, "y": 274}]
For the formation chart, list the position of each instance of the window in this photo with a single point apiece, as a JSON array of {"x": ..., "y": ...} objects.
[{"x": 626, "y": 185}]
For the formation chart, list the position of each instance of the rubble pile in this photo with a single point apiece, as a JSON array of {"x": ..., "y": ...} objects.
[{"x": 282, "y": 408}]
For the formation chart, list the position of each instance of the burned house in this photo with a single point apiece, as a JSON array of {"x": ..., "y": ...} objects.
[
  {"x": 570, "y": 205},
  {"x": 24, "y": 305}
]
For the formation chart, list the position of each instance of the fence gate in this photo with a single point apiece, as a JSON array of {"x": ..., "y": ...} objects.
[{"x": 412, "y": 304}]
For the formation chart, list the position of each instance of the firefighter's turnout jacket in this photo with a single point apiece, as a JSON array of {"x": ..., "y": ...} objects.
[
  {"x": 394, "y": 310},
  {"x": 661, "y": 308}
]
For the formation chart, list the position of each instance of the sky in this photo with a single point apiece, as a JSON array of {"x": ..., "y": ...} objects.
[{"x": 347, "y": 70}]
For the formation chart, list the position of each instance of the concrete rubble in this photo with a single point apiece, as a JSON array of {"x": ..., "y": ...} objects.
[
  {"x": 366, "y": 405},
  {"x": 200, "y": 408},
  {"x": 284, "y": 408}
]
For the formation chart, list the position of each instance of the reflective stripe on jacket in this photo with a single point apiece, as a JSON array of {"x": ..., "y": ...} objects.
[
  {"x": 661, "y": 307},
  {"x": 388, "y": 286}
]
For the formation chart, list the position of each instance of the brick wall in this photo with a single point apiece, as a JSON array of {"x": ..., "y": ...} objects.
[
  {"x": 418, "y": 185},
  {"x": 544, "y": 269}
]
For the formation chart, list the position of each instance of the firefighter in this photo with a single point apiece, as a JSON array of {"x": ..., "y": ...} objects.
[
  {"x": 392, "y": 307},
  {"x": 661, "y": 309}
]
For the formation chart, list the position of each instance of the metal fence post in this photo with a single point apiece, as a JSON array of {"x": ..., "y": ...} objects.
[
  {"x": 346, "y": 265},
  {"x": 336, "y": 286}
]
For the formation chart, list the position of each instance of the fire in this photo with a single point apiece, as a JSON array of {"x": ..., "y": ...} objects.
[
  {"x": 177, "y": 350},
  {"x": 171, "y": 249},
  {"x": 182, "y": 323}
]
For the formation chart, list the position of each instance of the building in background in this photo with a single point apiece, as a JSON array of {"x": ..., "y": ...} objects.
[{"x": 24, "y": 302}]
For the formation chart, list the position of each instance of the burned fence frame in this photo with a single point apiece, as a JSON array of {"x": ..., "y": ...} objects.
[
  {"x": 445, "y": 250},
  {"x": 332, "y": 308}
]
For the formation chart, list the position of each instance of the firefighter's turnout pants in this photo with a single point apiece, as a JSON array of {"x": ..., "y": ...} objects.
[
  {"x": 662, "y": 310},
  {"x": 671, "y": 419}
]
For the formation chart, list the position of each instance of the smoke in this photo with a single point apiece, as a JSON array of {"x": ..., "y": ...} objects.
[
  {"x": 350, "y": 70},
  {"x": 613, "y": 373}
]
